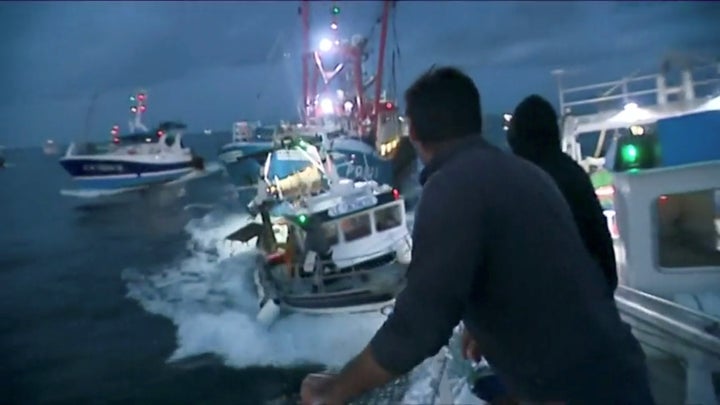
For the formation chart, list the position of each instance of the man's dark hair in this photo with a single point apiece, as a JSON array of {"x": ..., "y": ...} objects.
[{"x": 442, "y": 105}]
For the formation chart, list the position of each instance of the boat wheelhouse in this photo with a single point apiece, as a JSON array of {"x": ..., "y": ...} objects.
[{"x": 342, "y": 250}]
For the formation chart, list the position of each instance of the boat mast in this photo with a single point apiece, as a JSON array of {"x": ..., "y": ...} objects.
[
  {"x": 381, "y": 58},
  {"x": 359, "y": 111},
  {"x": 139, "y": 105},
  {"x": 305, "y": 17},
  {"x": 88, "y": 115}
]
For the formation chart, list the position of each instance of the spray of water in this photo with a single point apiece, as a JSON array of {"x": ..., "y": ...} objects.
[{"x": 210, "y": 297}]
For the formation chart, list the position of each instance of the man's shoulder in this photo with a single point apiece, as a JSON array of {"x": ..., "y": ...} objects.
[{"x": 472, "y": 164}]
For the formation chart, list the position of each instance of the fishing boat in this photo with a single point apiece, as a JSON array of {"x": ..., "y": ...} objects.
[
  {"x": 659, "y": 180},
  {"x": 368, "y": 137},
  {"x": 329, "y": 245},
  {"x": 50, "y": 148},
  {"x": 136, "y": 160},
  {"x": 266, "y": 152},
  {"x": 244, "y": 156},
  {"x": 372, "y": 143}
]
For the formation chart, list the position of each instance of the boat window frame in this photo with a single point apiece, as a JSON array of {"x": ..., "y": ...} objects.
[
  {"x": 335, "y": 225},
  {"x": 356, "y": 215},
  {"x": 662, "y": 243},
  {"x": 394, "y": 205}
]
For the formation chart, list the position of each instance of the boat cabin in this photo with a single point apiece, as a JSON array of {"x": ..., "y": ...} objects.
[
  {"x": 166, "y": 138},
  {"x": 359, "y": 231}
]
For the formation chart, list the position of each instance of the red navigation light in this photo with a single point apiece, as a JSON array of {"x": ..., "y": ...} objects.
[
  {"x": 143, "y": 108},
  {"x": 389, "y": 105},
  {"x": 116, "y": 139},
  {"x": 116, "y": 127},
  {"x": 160, "y": 133},
  {"x": 141, "y": 97},
  {"x": 396, "y": 194},
  {"x": 114, "y": 132}
]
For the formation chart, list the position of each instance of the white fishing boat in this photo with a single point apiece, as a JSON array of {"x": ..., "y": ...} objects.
[
  {"x": 343, "y": 247},
  {"x": 663, "y": 161},
  {"x": 139, "y": 159}
]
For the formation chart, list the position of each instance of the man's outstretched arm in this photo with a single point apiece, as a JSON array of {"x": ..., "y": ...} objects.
[{"x": 447, "y": 242}]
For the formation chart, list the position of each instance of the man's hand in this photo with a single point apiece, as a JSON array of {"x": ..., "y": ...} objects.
[
  {"x": 470, "y": 348},
  {"x": 319, "y": 389}
]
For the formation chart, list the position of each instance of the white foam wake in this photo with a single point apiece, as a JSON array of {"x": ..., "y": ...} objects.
[{"x": 210, "y": 296}]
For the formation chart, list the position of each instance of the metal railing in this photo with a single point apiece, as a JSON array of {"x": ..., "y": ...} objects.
[
  {"x": 691, "y": 336},
  {"x": 609, "y": 94}
]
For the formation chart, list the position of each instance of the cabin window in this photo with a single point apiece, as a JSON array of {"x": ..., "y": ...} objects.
[
  {"x": 169, "y": 140},
  {"x": 388, "y": 218},
  {"x": 356, "y": 227},
  {"x": 330, "y": 230},
  {"x": 689, "y": 229}
]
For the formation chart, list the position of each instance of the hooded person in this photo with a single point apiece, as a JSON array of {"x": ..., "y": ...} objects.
[{"x": 534, "y": 134}]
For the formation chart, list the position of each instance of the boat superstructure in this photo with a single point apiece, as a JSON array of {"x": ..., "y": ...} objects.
[
  {"x": 661, "y": 191},
  {"x": 139, "y": 159},
  {"x": 244, "y": 156},
  {"x": 331, "y": 245},
  {"x": 336, "y": 80}
]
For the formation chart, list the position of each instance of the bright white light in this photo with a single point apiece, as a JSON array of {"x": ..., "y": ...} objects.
[
  {"x": 348, "y": 106},
  {"x": 507, "y": 117},
  {"x": 333, "y": 26},
  {"x": 630, "y": 106},
  {"x": 326, "y": 106},
  {"x": 341, "y": 94},
  {"x": 325, "y": 45}
]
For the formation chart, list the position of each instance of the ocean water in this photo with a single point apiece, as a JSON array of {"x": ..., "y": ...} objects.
[{"x": 140, "y": 299}]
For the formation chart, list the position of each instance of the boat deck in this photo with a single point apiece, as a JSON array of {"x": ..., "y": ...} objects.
[{"x": 667, "y": 382}]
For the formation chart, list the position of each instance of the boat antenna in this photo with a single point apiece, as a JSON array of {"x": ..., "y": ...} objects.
[
  {"x": 137, "y": 109},
  {"x": 88, "y": 115}
]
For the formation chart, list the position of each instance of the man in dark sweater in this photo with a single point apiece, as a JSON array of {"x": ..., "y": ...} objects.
[
  {"x": 534, "y": 134},
  {"x": 495, "y": 245}
]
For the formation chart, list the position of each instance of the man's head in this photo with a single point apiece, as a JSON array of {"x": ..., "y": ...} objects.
[
  {"x": 442, "y": 106},
  {"x": 534, "y": 127}
]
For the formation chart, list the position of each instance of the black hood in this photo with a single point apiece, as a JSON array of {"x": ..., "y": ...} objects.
[{"x": 534, "y": 129}]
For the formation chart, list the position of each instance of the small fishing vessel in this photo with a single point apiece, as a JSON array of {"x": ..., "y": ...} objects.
[
  {"x": 368, "y": 137},
  {"x": 330, "y": 245},
  {"x": 50, "y": 148},
  {"x": 139, "y": 159},
  {"x": 244, "y": 156}
]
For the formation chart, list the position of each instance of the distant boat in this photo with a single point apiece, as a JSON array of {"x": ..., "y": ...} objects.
[
  {"x": 50, "y": 147},
  {"x": 2, "y": 157},
  {"x": 131, "y": 161}
]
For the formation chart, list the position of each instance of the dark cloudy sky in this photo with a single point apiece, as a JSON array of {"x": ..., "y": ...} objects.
[{"x": 206, "y": 63}]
